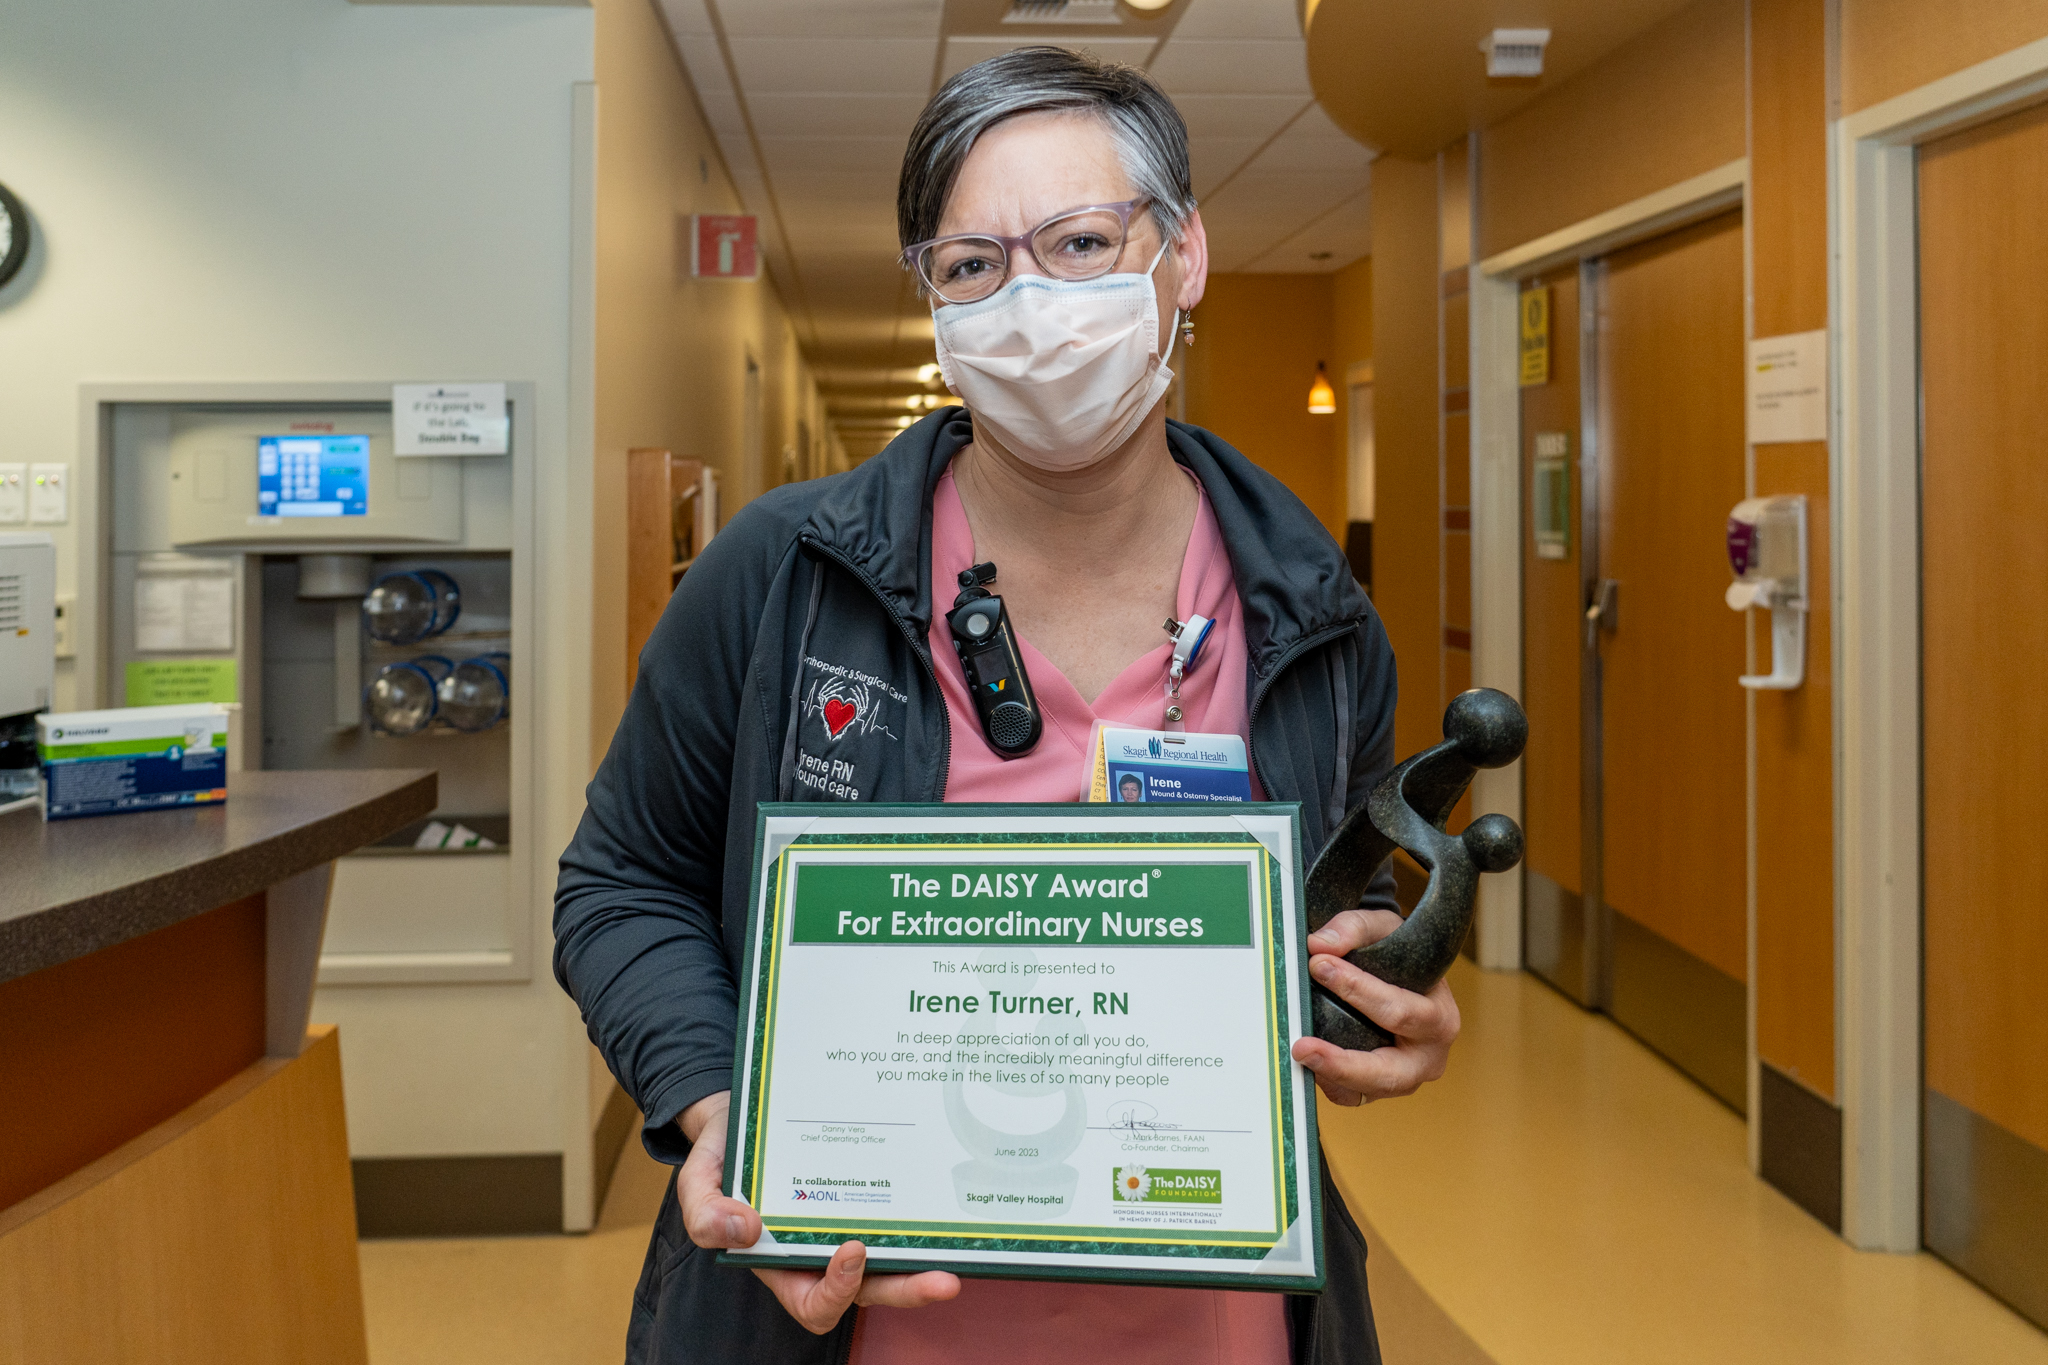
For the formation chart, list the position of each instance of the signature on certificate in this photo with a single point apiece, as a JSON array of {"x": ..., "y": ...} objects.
[{"x": 1136, "y": 1116}]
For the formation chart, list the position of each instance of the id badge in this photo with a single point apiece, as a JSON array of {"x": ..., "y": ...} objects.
[{"x": 1131, "y": 766}]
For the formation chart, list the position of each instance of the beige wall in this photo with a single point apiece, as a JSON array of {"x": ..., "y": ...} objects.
[
  {"x": 672, "y": 351},
  {"x": 1664, "y": 106},
  {"x": 1892, "y": 46}
]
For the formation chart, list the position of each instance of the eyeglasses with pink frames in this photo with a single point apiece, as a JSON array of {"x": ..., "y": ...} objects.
[{"x": 1078, "y": 244}]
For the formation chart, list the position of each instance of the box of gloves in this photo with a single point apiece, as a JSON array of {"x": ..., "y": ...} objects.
[{"x": 132, "y": 758}]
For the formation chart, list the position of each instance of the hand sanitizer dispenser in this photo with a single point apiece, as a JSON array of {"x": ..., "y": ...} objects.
[{"x": 1767, "y": 551}]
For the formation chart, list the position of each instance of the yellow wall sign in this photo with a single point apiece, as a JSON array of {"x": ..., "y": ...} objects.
[{"x": 1535, "y": 336}]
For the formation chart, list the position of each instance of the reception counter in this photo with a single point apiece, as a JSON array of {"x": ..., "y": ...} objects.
[{"x": 174, "y": 1177}]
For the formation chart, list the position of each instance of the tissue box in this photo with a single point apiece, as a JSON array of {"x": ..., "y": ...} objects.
[{"x": 133, "y": 758}]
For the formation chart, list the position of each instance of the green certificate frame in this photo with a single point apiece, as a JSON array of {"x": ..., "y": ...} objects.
[{"x": 1032, "y": 1042}]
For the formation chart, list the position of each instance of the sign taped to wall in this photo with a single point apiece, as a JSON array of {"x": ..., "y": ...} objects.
[{"x": 450, "y": 419}]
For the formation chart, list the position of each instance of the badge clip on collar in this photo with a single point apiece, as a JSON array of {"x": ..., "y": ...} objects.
[
  {"x": 1003, "y": 699},
  {"x": 1188, "y": 638}
]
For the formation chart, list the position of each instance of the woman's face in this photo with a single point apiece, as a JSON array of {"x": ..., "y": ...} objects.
[{"x": 1036, "y": 166}]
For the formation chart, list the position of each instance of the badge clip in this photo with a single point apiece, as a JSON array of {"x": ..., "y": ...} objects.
[{"x": 1188, "y": 638}]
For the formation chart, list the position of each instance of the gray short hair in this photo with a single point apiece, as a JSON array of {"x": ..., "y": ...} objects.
[{"x": 1151, "y": 139}]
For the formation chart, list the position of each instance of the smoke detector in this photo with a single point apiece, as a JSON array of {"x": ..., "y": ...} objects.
[{"x": 1515, "y": 51}]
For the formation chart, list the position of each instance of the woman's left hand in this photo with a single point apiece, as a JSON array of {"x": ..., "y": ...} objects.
[{"x": 1423, "y": 1025}]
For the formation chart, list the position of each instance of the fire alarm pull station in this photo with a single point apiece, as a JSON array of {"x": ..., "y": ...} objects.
[{"x": 1767, "y": 551}]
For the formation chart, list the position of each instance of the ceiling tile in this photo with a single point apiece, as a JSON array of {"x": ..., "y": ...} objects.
[
  {"x": 739, "y": 154},
  {"x": 962, "y": 53},
  {"x": 722, "y": 111},
  {"x": 703, "y": 60},
  {"x": 1263, "y": 66},
  {"x": 783, "y": 115},
  {"x": 1341, "y": 236},
  {"x": 830, "y": 19},
  {"x": 799, "y": 156},
  {"x": 843, "y": 189},
  {"x": 686, "y": 17},
  {"x": 814, "y": 66},
  {"x": 1336, "y": 155},
  {"x": 1239, "y": 19},
  {"x": 1215, "y": 158},
  {"x": 1255, "y": 116},
  {"x": 1315, "y": 122}
]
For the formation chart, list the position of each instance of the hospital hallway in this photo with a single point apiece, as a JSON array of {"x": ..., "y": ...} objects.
[
  {"x": 890, "y": 575},
  {"x": 1562, "y": 1197}
]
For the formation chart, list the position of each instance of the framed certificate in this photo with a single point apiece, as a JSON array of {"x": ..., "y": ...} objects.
[{"x": 1044, "y": 1042}]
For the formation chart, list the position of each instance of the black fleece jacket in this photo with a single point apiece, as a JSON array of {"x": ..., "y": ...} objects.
[{"x": 830, "y": 581}]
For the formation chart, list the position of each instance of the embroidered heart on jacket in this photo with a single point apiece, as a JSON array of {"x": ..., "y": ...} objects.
[{"x": 838, "y": 715}]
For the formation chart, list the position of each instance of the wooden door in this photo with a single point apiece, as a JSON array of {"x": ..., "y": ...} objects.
[
  {"x": 1554, "y": 925},
  {"x": 1984, "y": 659},
  {"x": 1669, "y": 450}
]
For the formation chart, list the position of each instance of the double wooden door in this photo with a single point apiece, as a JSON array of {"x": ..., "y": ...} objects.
[{"x": 1636, "y": 799}]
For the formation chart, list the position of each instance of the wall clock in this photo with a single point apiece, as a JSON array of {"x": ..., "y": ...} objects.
[{"x": 13, "y": 235}]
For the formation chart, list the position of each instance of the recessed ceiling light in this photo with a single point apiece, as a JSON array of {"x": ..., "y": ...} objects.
[
  {"x": 927, "y": 373},
  {"x": 1148, "y": 4}
]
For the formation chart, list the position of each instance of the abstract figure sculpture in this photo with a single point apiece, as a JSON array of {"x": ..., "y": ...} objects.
[{"x": 1482, "y": 729}]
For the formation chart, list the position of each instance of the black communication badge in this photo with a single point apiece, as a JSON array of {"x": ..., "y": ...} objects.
[{"x": 1003, "y": 698}]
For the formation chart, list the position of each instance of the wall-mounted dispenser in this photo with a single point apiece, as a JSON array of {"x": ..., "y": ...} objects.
[{"x": 1767, "y": 551}]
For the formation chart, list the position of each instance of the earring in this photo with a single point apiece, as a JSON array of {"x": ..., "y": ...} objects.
[{"x": 1187, "y": 330}]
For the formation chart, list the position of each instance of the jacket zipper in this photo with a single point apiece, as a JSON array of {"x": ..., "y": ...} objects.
[
  {"x": 917, "y": 646},
  {"x": 1294, "y": 651}
]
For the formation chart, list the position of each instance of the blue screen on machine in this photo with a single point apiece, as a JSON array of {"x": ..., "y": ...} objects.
[{"x": 312, "y": 476}]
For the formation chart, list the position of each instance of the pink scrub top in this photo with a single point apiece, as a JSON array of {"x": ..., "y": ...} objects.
[{"x": 1026, "y": 1322}]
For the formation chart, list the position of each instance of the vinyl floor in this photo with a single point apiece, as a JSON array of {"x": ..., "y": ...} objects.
[{"x": 1561, "y": 1196}]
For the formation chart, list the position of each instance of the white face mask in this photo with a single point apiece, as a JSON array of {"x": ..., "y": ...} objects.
[{"x": 1059, "y": 371}]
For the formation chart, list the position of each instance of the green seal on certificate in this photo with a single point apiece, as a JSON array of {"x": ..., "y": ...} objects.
[{"x": 1043, "y": 1042}]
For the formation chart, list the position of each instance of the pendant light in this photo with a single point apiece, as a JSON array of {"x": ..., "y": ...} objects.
[{"x": 1321, "y": 397}]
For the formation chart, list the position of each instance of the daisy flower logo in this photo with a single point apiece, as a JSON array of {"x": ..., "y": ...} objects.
[{"x": 1133, "y": 1184}]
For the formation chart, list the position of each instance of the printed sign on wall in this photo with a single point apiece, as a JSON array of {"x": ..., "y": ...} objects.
[
  {"x": 1788, "y": 388},
  {"x": 722, "y": 247}
]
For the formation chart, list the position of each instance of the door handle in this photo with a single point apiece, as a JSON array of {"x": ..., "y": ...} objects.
[{"x": 1604, "y": 611}]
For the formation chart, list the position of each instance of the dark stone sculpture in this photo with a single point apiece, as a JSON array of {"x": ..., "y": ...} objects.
[{"x": 1482, "y": 729}]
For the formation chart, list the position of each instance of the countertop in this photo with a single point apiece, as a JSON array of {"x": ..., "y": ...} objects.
[{"x": 72, "y": 887}]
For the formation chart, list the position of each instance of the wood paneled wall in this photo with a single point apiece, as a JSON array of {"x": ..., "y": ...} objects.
[
  {"x": 1892, "y": 46},
  {"x": 1257, "y": 341},
  {"x": 1795, "y": 889},
  {"x": 223, "y": 1236},
  {"x": 1664, "y": 106},
  {"x": 1406, "y": 400}
]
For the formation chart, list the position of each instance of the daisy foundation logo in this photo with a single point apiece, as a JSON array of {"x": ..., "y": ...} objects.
[{"x": 1137, "y": 1184}]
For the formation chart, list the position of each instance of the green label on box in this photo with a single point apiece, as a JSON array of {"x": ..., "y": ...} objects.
[
  {"x": 1135, "y": 1184},
  {"x": 179, "y": 682}
]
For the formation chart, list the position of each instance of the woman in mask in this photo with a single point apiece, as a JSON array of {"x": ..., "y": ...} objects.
[{"x": 1045, "y": 209}]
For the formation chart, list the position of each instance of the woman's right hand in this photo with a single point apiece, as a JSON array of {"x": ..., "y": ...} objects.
[{"x": 815, "y": 1298}]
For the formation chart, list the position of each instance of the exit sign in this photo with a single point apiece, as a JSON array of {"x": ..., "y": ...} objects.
[{"x": 722, "y": 247}]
